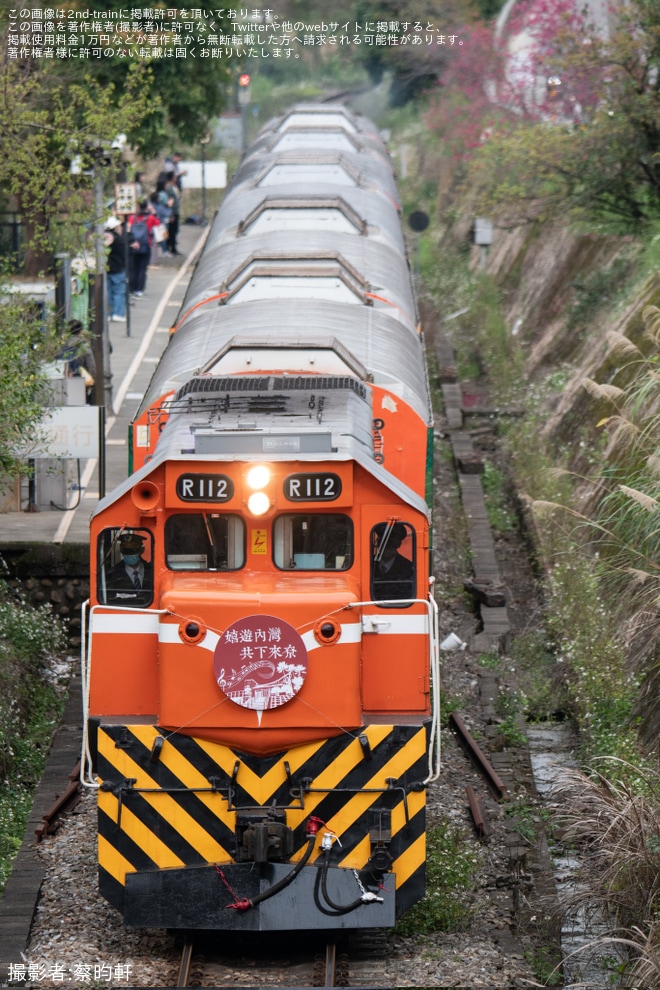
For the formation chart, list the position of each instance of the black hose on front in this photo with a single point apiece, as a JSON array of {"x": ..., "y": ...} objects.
[
  {"x": 339, "y": 908},
  {"x": 249, "y": 902}
]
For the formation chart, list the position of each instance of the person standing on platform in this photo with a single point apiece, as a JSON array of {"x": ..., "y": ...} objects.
[
  {"x": 116, "y": 269},
  {"x": 140, "y": 226},
  {"x": 172, "y": 192},
  {"x": 173, "y": 164},
  {"x": 162, "y": 205}
]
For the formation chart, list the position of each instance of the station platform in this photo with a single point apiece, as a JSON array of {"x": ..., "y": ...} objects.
[{"x": 132, "y": 364}]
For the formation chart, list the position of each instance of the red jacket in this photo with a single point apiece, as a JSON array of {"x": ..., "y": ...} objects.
[{"x": 151, "y": 221}]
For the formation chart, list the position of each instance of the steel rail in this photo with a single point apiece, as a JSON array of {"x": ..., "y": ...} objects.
[
  {"x": 183, "y": 975},
  {"x": 477, "y": 756},
  {"x": 330, "y": 964}
]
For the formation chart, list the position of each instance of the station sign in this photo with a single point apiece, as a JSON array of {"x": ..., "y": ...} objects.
[
  {"x": 66, "y": 431},
  {"x": 126, "y": 198},
  {"x": 204, "y": 487},
  {"x": 315, "y": 487}
]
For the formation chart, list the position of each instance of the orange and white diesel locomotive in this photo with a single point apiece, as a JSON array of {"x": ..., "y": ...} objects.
[{"x": 262, "y": 639}]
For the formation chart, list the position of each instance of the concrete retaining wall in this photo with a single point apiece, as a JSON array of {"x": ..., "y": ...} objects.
[{"x": 46, "y": 572}]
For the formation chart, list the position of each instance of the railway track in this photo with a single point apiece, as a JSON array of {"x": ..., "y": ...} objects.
[{"x": 354, "y": 960}]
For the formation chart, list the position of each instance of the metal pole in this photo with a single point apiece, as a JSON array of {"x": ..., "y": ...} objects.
[
  {"x": 127, "y": 288},
  {"x": 63, "y": 287},
  {"x": 203, "y": 182},
  {"x": 102, "y": 384},
  {"x": 103, "y": 372},
  {"x": 101, "y": 452},
  {"x": 32, "y": 487}
]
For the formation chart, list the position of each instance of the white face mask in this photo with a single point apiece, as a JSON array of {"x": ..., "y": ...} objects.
[{"x": 131, "y": 559}]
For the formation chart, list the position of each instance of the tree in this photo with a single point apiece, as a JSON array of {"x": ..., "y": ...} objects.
[
  {"x": 464, "y": 113},
  {"x": 504, "y": 77},
  {"x": 27, "y": 342},
  {"x": 419, "y": 58},
  {"x": 53, "y": 110},
  {"x": 44, "y": 126},
  {"x": 591, "y": 151},
  {"x": 182, "y": 94}
]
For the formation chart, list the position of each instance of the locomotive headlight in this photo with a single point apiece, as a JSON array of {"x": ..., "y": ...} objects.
[
  {"x": 258, "y": 477},
  {"x": 258, "y": 503}
]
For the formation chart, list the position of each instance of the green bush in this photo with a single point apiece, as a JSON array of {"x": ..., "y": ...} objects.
[
  {"x": 452, "y": 861},
  {"x": 31, "y": 703}
]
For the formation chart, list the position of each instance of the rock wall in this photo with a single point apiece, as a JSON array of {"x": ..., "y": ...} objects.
[
  {"x": 57, "y": 574},
  {"x": 539, "y": 272},
  {"x": 537, "y": 268}
]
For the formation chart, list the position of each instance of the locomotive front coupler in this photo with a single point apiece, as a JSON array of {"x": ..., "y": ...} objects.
[{"x": 263, "y": 836}]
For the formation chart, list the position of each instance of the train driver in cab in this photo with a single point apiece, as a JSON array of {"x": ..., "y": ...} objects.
[
  {"x": 131, "y": 581},
  {"x": 392, "y": 573}
]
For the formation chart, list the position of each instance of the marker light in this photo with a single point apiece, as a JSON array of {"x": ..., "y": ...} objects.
[
  {"x": 258, "y": 476},
  {"x": 258, "y": 503}
]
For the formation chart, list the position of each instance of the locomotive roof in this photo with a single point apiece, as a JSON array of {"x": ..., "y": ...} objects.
[
  {"x": 374, "y": 269},
  {"x": 271, "y": 417},
  {"x": 358, "y": 211},
  {"x": 321, "y": 115},
  {"x": 324, "y": 127},
  {"x": 391, "y": 355},
  {"x": 346, "y": 169}
]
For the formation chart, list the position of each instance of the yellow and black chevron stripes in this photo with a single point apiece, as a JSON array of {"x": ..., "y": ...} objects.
[{"x": 177, "y": 807}]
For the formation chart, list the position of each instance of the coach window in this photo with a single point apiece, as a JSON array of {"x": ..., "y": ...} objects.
[
  {"x": 204, "y": 541},
  {"x": 393, "y": 563},
  {"x": 125, "y": 571},
  {"x": 313, "y": 542}
]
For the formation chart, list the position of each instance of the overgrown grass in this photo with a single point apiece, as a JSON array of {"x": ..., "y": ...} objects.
[
  {"x": 542, "y": 960},
  {"x": 510, "y": 705},
  {"x": 592, "y": 508},
  {"x": 452, "y": 862},
  {"x": 31, "y": 704},
  {"x": 498, "y": 347},
  {"x": 528, "y": 817},
  {"x": 448, "y": 704},
  {"x": 585, "y": 665},
  {"x": 537, "y": 675},
  {"x": 582, "y": 665},
  {"x": 496, "y": 497},
  {"x": 615, "y": 826},
  {"x": 588, "y": 646}
]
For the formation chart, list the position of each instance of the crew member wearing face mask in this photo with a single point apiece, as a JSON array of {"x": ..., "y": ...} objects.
[
  {"x": 131, "y": 581},
  {"x": 393, "y": 575}
]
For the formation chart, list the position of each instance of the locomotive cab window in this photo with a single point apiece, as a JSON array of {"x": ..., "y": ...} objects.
[
  {"x": 313, "y": 542},
  {"x": 204, "y": 541},
  {"x": 393, "y": 563},
  {"x": 125, "y": 568}
]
